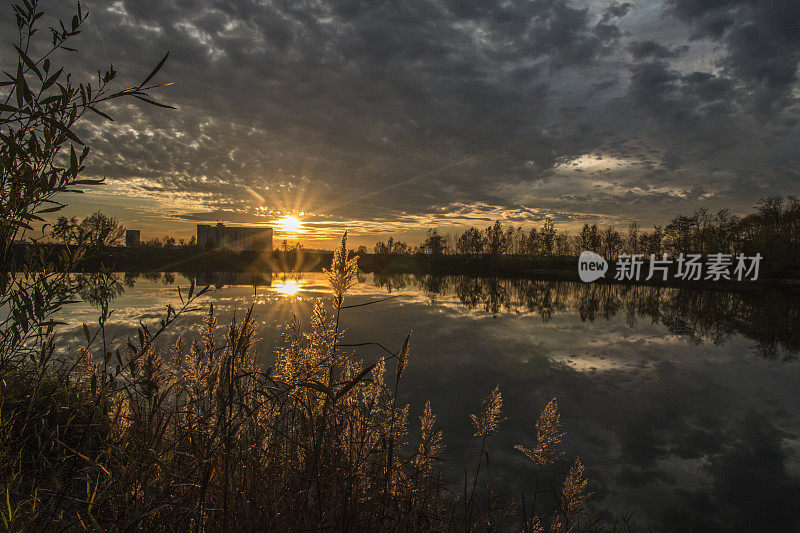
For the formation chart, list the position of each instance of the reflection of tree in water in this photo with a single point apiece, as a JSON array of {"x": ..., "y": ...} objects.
[
  {"x": 497, "y": 297},
  {"x": 432, "y": 286},
  {"x": 768, "y": 316},
  {"x": 703, "y": 316},
  {"x": 152, "y": 276},
  {"x": 98, "y": 288},
  {"x": 469, "y": 291},
  {"x": 392, "y": 282},
  {"x": 220, "y": 280}
]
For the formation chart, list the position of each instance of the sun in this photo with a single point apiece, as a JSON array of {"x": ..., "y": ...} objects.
[{"x": 289, "y": 224}]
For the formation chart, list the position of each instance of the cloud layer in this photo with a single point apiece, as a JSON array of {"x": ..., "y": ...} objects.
[{"x": 360, "y": 113}]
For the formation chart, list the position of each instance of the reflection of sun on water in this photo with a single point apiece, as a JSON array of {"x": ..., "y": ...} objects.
[{"x": 288, "y": 287}]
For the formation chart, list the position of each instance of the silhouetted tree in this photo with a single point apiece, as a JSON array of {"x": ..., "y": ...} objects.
[
  {"x": 98, "y": 231},
  {"x": 66, "y": 231},
  {"x": 679, "y": 233},
  {"x": 471, "y": 242},
  {"x": 434, "y": 243},
  {"x": 611, "y": 242},
  {"x": 547, "y": 235},
  {"x": 495, "y": 239},
  {"x": 532, "y": 243}
]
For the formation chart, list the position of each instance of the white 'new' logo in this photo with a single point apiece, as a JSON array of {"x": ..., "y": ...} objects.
[{"x": 591, "y": 266}]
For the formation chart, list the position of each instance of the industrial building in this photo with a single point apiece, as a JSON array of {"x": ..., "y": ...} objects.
[{"x": 236, "y": 238}]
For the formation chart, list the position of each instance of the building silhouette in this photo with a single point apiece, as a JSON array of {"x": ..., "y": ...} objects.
[
  {"x": 132, "y": 237},
  {"x": 234, "y": 237}
]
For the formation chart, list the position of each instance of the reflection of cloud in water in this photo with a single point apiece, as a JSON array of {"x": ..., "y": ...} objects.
[{"x": 671, "y": 426}]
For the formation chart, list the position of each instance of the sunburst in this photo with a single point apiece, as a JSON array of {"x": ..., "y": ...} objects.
[{"x": 289, "y": 224}]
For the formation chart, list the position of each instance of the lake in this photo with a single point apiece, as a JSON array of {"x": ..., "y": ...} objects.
[{"x": 683, "y": 404}]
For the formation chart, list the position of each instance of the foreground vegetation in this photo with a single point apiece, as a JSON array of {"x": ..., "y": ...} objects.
[{"x": 200, "y": 436}]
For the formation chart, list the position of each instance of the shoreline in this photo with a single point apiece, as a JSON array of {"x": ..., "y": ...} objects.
[{"x": 196, "y": 260}]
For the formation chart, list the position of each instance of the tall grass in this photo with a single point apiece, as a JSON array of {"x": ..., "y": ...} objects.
[{"x": 199, "y": 436}]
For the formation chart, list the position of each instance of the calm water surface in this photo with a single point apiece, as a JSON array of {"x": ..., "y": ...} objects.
[{"x": 682, "y": 404}]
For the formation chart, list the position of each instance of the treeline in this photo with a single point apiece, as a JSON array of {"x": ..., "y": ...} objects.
[
  {"x": 99, "y": 230},
  {"x": 773, "y": 230},
  {"x": 99, "y": 238},
  {"x": 190, "y": 259},
  {"x": 493, "y": 240}
]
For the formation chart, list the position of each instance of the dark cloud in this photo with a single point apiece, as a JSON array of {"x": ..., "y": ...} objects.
[
  {"x": 762, "y": 43},
  {"x": 653, "y": 86},
  {"x": 603, "y": 85},
  {"x": 708, "y": 87},
  {"x": 616, "y": 10},
  {"x": 652, "y": 50}
]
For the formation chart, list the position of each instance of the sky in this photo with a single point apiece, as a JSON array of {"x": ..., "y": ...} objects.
[{"x": 389, "y": 117}]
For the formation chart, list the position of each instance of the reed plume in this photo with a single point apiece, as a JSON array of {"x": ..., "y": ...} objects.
[
  {"x": 534, "y": 525},
  {"x": 574, "y": 494},
  {"x": 548, "y": 436},
  {"x": 343, "y": 273},
  {"x": 555, "y": 524},
  {"x": 402, "y": 358},
  {"x": 487, "y": 423},
  {"x": 430, "y": 446}
]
